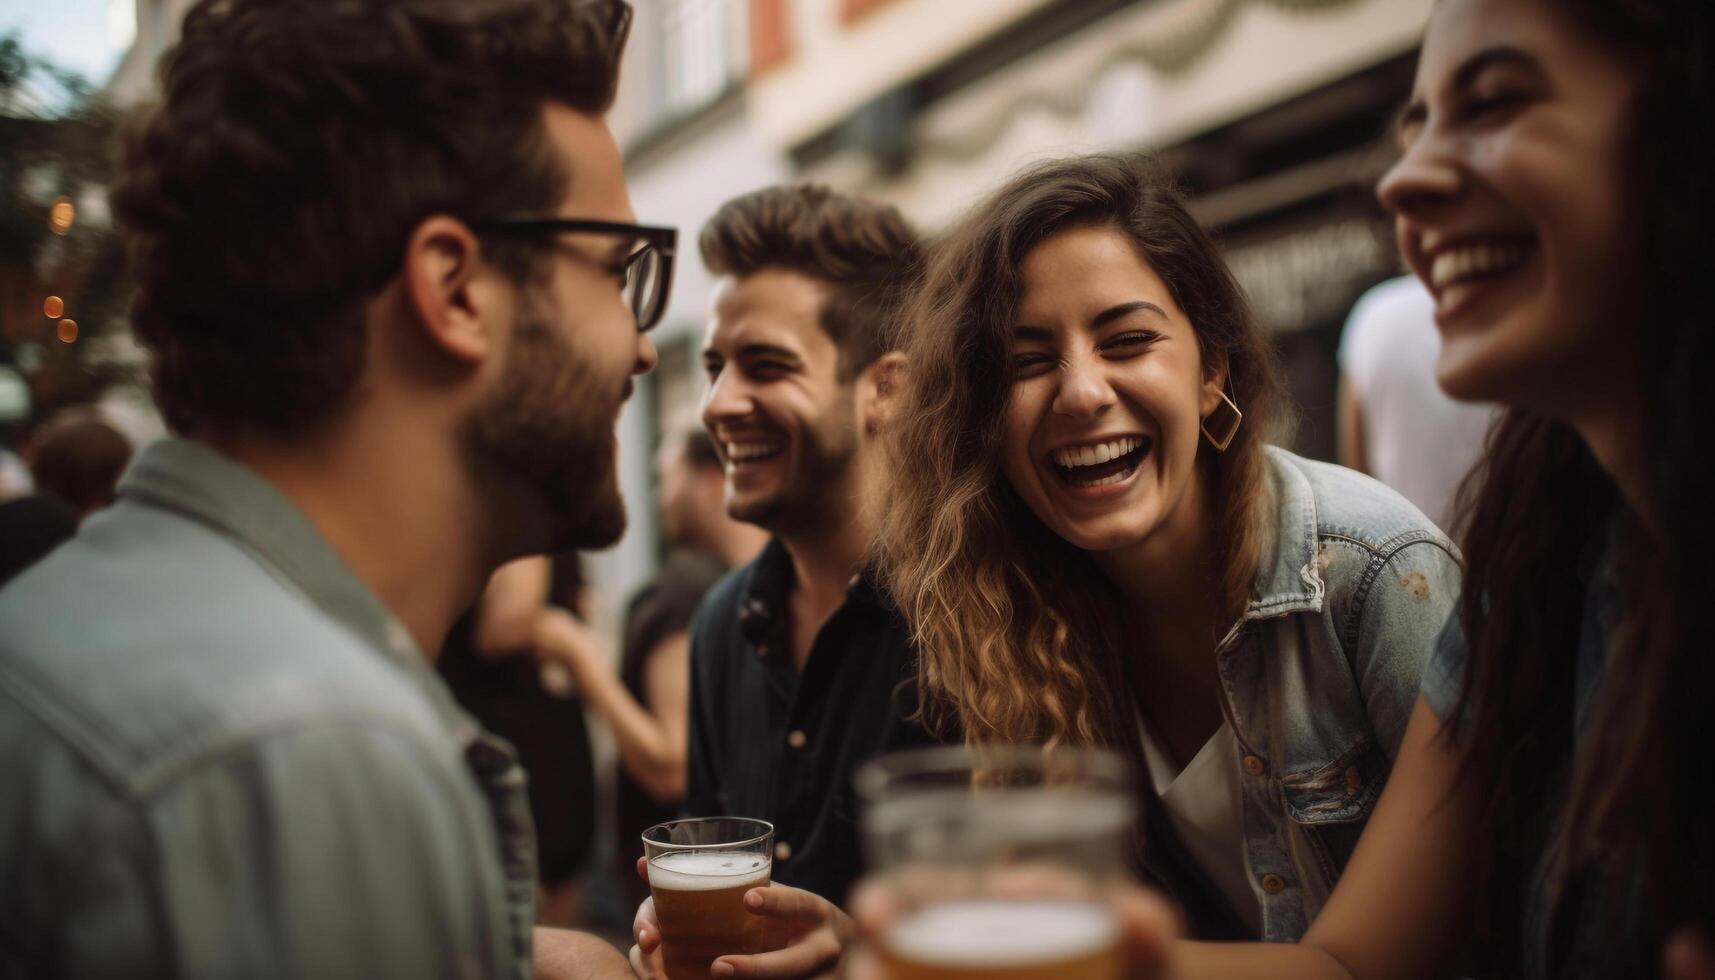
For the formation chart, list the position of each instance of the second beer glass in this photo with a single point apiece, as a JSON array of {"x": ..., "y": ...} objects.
[
  {"x": 997, "y": 859},
  {"x": 699, "y": 871}
]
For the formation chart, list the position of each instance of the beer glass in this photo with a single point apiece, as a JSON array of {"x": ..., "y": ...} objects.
[
  {"x": 997, "y": 859},
  {"x": 699, "y": 870}
]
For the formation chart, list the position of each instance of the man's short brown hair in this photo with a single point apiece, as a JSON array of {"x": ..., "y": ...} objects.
[
  {"x": 865, "y": 252},
  {"x": 296, "y": 147}
]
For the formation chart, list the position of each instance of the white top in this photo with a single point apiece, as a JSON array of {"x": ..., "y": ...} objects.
[
  {"x": 1205, "y": 804},
  {"x": 1416, "y": 439}
]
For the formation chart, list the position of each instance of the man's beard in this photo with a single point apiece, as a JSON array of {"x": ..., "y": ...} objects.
[
  {"x": 822, "y": 460},
  {"x": 547, "y": 428}
]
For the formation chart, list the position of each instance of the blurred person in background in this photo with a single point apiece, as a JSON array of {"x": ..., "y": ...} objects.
[
  {"x": 77, "y": 457},
  {"x": 394, "y": 299},
  {"x": 801, "y": 668},
  {"x": 645, "y": 704},
  {"x": 1394, "y": 422},
  {"x": 489, "y": 662}
]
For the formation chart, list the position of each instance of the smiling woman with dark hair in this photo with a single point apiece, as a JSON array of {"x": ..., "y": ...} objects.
[
  {"x": 1549, "y": 812},
  {"x": 1094, "y": 544}
]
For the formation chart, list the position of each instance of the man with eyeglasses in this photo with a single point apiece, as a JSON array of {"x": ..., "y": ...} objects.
[{"x": 389, "y": 275}]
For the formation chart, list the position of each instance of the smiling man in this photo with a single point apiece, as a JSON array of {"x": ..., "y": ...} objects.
[
  {"x": 798, "y": 664},
  {"x": 389, "y": 278}
]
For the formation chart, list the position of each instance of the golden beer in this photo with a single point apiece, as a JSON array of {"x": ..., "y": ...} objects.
[
  {"x": 699, "y": 902},
  {"x": 1005, "y": 940}
]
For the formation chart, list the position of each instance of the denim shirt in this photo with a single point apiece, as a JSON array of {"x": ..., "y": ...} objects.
[
  {"x": 223, "y": 757},
  {"x": 1318, "y": 680}
]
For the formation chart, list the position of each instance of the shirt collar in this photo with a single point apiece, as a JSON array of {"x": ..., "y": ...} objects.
[
  {"x": 771, "y": 578},
  {"x": 1289, "y": 577},
  {"x": 199, "y": 482}
]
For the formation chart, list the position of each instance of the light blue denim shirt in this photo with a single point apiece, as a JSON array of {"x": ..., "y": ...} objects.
[
  {"x": 222, "y": 757},
  {"x": 1319, "y": 677}
]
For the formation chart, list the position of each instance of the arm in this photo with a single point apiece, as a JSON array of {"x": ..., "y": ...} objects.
[
  {"x": 1408, "y": 603},
  {"x": 506, "y": 612},
  {"x": 651, "y": 740},
  {"x": 1349, "y": 428},
  {"x": 561, "y": 954},
  {"x": 1398, "y": 912}
]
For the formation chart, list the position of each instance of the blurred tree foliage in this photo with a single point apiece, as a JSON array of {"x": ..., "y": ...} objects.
[{"x": 56, "y": 142}]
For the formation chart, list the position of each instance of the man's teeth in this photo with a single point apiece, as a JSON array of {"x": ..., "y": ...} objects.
[
  {"x": 1100, "y": 453},
  {"x": 738, "y": 452},
  {"x": 1476, "y": 260}
]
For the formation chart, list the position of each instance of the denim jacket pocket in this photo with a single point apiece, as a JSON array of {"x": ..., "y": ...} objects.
[{"x": 1343, "y": 791}]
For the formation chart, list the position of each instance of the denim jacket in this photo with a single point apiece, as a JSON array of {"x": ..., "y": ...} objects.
[{"x": 1318, "y": 680}]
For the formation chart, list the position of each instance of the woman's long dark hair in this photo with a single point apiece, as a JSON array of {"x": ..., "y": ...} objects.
[{"x": 1638, "y": 790}]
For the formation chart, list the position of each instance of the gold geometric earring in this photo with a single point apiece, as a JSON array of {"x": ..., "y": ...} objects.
[{"x": 1221, "y": 425}]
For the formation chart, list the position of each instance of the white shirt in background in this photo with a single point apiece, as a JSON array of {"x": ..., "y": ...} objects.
[{"x": 1416, "y": 439}]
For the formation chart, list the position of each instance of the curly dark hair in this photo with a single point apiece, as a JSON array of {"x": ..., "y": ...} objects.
[
  {"x": 295, "y": 147},
  {"x": 866, "y": 253}
]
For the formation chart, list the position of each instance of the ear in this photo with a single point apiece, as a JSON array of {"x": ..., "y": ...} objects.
[
  {"x": 1214, "y": 382},
  {"x": 440, "y": 274},
  {"x": 880, "y": 389}
]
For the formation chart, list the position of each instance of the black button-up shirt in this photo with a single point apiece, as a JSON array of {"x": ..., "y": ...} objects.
[{"x": 769, "y": 743}]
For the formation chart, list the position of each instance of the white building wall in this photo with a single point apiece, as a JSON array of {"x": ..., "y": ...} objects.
[
  {"x": 834, "y": 68},
  {"x": 1103, "y": 88}
]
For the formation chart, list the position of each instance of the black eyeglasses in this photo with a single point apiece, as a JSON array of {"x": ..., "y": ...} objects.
[{"x": 648, "y": 270}]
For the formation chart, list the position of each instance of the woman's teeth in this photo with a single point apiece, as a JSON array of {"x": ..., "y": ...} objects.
[
  {"x": 1455, "y": 265},
  {"x": 1100, "y": 464},
  {"x": 1100, "y": 453}
]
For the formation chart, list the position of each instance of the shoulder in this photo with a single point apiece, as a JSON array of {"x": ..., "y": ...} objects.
[
  {"x": 362, "y": 771},
  {"x": 1355, "y": 509},
  {"x": 148, "y": 661}
]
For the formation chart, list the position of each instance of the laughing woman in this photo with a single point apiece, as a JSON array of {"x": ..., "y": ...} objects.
[
  {"x": 1095, "y": 545},
  {"x": 1549, "y": 814}
]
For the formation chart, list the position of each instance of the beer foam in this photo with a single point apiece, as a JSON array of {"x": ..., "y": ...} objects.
[
  {"x": 996, "y": 934},
  {"x": 696, "y": 871}
]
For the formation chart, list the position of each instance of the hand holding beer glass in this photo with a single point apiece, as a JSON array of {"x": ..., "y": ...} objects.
[
  {"x": 699, "y": 871},
  {"x": 999, "y": 862}
]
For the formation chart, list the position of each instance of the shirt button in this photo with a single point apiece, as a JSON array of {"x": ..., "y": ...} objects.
[
  {"x": 782, "y": 851},
  {"x": 762, "y": 651},
  {"x": 1253, "y": 765},
  {"x": 1273, "y": 884},
  {"x": 1354, "y": 779},
  {"x": 796, "y": 739}
]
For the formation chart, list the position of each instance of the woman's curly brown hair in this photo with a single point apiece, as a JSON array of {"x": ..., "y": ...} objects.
[{"x": 295, "y": 147}]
